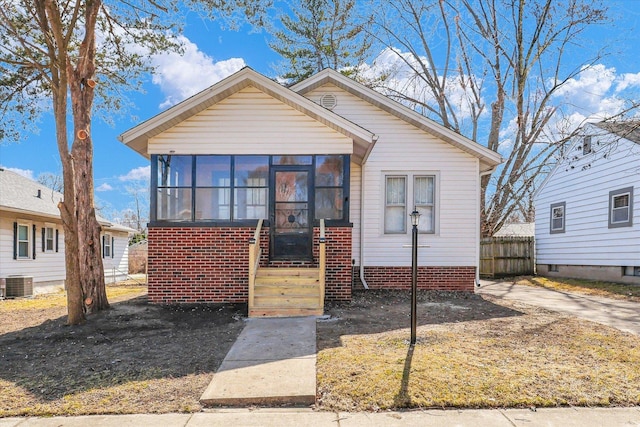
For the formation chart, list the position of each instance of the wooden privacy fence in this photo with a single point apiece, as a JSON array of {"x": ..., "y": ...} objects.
[{"x": 507, "y": 256}]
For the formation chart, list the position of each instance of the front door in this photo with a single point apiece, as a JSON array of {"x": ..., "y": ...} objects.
[{"x": 291, "y": 214}]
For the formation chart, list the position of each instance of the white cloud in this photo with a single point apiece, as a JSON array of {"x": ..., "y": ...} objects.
[
  {"x": 27, "y": 173},
  {"x": 141, "y": 173},
  {"x": 104, "y": 187},
  {"x": 627, "y": 81},
  {"x": 183, "y": 75}
]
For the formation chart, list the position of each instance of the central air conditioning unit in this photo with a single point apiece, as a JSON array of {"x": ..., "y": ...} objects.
[{"x": 19, "y": 286}]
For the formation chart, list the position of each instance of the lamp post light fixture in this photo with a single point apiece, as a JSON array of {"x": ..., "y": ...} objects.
[{"x": 415, "y": 219}]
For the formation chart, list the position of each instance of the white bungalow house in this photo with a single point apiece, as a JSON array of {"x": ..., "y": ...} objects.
[
  {"x": 32, "y": 239},
  {"x": 282, "y": 197},
  {"x": 588, "y": 208}
]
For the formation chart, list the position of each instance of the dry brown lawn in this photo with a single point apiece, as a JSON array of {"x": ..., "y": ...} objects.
[{"x": 472, "y": 351}]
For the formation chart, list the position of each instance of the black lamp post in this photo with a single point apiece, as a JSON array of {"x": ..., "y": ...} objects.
[{"x": 415, "y": 219}]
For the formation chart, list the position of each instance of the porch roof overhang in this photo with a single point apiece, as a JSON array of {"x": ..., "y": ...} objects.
[
  {"x": 489, "y": 159},
  {"x": 138, "y": 137}
]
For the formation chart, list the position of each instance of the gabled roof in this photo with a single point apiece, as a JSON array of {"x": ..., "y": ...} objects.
[
  {"x": 628, "y": 129},
  {"x": 488, "y": 158},
  {"x": 138, "y": 137},
  {"x": 24, "y": 196}
]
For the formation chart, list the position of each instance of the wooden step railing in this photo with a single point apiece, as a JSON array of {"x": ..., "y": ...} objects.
[{"x": 254, "y": 262}]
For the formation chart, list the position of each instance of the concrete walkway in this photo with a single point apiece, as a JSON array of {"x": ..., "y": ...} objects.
[
  {"x": 552, "y": 417},
  {"x": 620, "y": 314},
  {"x": 273, "y": 361}
]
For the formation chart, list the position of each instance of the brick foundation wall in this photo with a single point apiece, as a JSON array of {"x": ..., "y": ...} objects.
[
  {"x": 210, "y": 264},
  {"x": 429, "y": 278}
]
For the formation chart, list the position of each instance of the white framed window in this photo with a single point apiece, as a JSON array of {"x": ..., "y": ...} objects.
[
  {"x": 107, "y": 246},
  {"x": 557, "y": 223},
  {"x": 403, "y": 193},
  {"x": 621, "y": 208},
  {"x": 49, "y": 239},
  {"x": 424, "y": 201},
  {"x": 23, "y": 241},
  {"x": 395, "y": 205}
]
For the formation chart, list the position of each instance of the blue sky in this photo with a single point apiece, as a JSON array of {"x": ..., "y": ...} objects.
[{"x": 212, "y": 53}]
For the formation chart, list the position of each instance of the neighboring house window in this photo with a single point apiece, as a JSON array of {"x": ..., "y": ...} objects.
[
  {"x": 397, "y": 204},
  {"x": 49, "y": 239},
  {"x": 631, "y": 271},
  {"x": 23, "y": 241},
  {"x": 107, "y": 246},
  {"x": 558, "y": 218},
  {"x": 395, "y": 207},
  {"x": 621, "y": 208},
  {"x": 586, "y": 145}
]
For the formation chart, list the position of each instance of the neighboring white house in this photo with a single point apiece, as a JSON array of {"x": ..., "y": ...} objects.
[
  {"x": 327, "y": 149},
  {"x": 588, "y": 208},
  {"x": 32, "y": 239}
]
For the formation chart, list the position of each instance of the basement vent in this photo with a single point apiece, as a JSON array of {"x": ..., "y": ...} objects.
[{"x": 328, "y": 101}]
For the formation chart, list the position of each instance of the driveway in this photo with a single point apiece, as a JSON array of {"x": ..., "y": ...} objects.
[{"x": 620, "y": 314}]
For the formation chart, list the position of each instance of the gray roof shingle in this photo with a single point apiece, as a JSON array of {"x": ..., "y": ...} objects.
[{"x": 18, "y": 193}]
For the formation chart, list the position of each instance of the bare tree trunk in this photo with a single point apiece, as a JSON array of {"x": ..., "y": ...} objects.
[{"x": 81, "y": 86}]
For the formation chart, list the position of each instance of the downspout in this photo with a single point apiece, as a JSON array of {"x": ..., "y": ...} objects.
[
  {"x": 362, "y": 199},
  {"x": 482, "y": 174}
]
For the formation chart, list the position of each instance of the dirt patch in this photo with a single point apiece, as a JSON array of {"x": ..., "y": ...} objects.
[
  {"x": 135, "y": 357},
  {"x": 371, "y": 312}
]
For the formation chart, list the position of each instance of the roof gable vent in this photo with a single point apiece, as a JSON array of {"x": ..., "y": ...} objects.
[{"x": 328, "y": 101}]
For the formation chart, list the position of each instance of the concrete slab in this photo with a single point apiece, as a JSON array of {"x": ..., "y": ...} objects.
[
  {"x": 265, "y": 417},
  {"x": 435, "y": 418},
  {"x": 140, "y": 420},
  {"x": 620, "y": 314},
  {"x": 273, "y": 361},
  {"x": 574, "y": 417},
  {"x": 10, "y": 422}
]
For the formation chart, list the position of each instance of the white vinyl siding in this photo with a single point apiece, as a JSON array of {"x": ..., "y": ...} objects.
[
  {"x": 403, "y": 149},
  {"x": 116, "y": 266},
  {"x": 47, "y": 269},
  {"x": 261, "y": 120},
  {"x": 585, "y": 185}
]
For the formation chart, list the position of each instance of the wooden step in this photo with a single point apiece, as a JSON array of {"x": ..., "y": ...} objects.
[
  {"x": 287, "y": 272},
  {"x": 269, "y": 301},
  {"x": 286, "y": 289},
  {"x": 285, "y": 312},
  {"x": 287, "y": 280}
]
